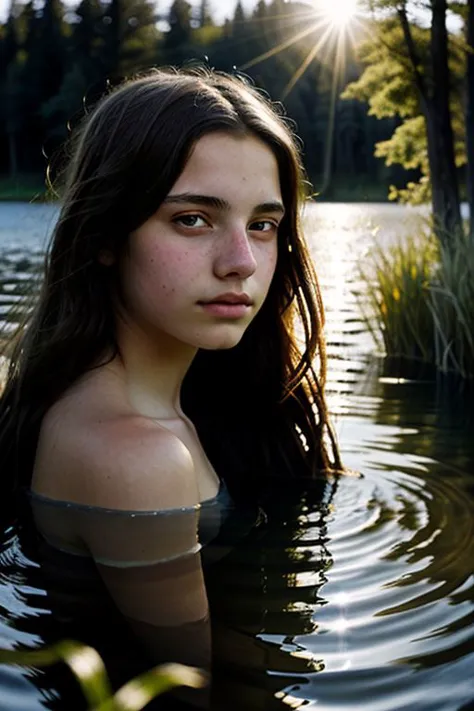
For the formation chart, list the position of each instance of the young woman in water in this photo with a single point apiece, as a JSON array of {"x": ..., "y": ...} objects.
[{"x": 160, "y": 364}]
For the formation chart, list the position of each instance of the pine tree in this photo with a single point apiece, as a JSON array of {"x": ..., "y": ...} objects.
[
  {"x": 46, "y": 60},
  {"x": 238, "y": 21},
  {"x": 205, "y": 16},
  {"x": 179, "y": 20},
  {"x": 87, "y": 42},
  {"x": 130, "y": 37},
  {"x": 260, "y": 11},
  {"x": 10, "y": 88}
]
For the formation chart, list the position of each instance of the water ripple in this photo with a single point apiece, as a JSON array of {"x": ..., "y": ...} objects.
[{"x": 358, "y": 598}]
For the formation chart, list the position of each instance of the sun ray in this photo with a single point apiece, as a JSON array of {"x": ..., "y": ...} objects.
[
  {"x": 280, "y": 47},
  {"x": 338, "y": 13},
  {"x": 337, "y": 20},
  {"x": 340, "y": 54},
  {"x": 287, "y": 16},
  {"x": 305, "y": 64}
]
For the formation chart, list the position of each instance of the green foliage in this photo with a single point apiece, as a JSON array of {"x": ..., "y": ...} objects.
[
  {"x": 418, "y": 301},
  {"x": 387, "y": 85},
  {"x": 207, "y": 35},
  {"x": 414, "y": 192},
  {"x": 408, "y": 145},
  {"x": 89, "y": 670},
  {"x": 58, "y": 59}
]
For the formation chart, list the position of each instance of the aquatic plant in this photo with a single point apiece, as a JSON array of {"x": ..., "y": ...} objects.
[
  {"x": 418, "y": 301},
  {"x": 89, "y": 670}
]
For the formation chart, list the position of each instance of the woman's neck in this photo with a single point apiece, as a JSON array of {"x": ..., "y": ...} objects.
[{"x": 152, "y": 370}]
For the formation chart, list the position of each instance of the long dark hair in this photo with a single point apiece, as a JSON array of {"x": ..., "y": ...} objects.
[{"x": 259, "y": 408}]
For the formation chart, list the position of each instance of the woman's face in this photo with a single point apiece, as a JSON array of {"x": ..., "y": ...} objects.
[{"x": 212, "y": 241}]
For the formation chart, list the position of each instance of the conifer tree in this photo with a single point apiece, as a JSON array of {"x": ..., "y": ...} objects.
[
  {"x": 87, "y": 42},
  {"x": 130, "y": 37},
  {"x": 260, "y": 11},
  {"x": 10, "y": 107},
  {"x": 205, "y": 16},
  {"x": 238, "y": 21},
  {"x": 179, "y": 20},
  {"x": 46, "y": 59}
]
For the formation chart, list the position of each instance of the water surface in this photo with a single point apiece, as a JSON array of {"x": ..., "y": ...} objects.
[{"x": 360, "y": 596}]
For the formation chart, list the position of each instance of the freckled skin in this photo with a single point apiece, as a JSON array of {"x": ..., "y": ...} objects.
[
  {"x": 188, "y": 251},
  {"x": 171, "y": 265}
]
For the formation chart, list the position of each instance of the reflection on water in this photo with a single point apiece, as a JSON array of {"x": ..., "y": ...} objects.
[
  {"x": 23, "y": 232},
  {"x": 355, "y": 595}
]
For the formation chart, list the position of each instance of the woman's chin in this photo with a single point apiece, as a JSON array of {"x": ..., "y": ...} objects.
[{"x": 223, "y": 342}]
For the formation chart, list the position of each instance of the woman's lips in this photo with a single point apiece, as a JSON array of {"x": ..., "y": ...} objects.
[
  {"x": 224, "y": 309},
  {"x": 231, "y": 304}
]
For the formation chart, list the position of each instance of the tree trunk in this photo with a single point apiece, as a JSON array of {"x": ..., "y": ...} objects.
[
  {"x": 470, "y": 115},
  {"x": 445, "y": 186},
  {"x": 434, "y": 102}
]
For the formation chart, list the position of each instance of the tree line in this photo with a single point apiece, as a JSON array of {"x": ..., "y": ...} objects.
[{"x": 57, "y": 60}]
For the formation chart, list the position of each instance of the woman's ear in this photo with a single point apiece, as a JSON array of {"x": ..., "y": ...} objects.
[{"x": 106, "y": 258}]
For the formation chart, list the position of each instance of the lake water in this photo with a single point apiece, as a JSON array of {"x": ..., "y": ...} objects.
[{"x": 362, "y": 599}]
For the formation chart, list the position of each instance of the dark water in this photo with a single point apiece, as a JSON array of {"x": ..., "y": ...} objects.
[{"x": 357, "y": 597}]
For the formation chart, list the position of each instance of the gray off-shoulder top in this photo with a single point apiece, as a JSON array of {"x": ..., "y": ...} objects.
[{"x": 109, "y": 573}]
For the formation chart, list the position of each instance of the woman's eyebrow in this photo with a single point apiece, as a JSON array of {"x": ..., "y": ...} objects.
[{"x": 220, "y": 203}]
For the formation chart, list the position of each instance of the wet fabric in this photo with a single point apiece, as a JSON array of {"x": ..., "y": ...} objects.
[{"x": 131, "y": 583}]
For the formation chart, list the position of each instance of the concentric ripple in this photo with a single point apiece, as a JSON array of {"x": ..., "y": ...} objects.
[
  {"x": 358, "y": 595},
  {"x": 403, "y": 552},
  {"x": 368, "y": 602}
]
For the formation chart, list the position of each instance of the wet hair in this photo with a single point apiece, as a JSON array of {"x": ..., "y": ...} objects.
[{"x": 259, "y": 407}]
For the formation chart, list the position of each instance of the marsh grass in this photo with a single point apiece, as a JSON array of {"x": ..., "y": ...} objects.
[
  {"x": 418, "y": 301},
  {"x": 89, "y": 670},
  {"x": 452, "y": 306}
]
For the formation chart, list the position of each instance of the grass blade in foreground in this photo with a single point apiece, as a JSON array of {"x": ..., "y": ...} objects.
[{"x": 89, "y": 669}]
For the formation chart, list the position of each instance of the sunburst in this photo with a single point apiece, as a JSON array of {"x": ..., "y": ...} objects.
[
  {"x": 338, "y": 13},
  {"x": 332, "y": 22}
]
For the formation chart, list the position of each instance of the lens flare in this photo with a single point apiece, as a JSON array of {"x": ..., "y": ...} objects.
[
  {"x": 338, "y": 13},
  {"x": 328, "y": 30}
]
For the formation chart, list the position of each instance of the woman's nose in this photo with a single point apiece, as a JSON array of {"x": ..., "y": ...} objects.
[{"x": 234, "y": 254}]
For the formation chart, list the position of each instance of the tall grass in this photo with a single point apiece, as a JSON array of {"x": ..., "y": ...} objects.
[
  {"x": 418, "y": 301},
  {"x": 89, "y": 670}
]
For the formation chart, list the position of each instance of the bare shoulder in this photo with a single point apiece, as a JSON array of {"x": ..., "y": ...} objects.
[{"x": 118, "y": 461}]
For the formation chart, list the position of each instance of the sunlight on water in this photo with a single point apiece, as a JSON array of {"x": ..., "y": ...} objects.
[{"x": 360, "y": 597}]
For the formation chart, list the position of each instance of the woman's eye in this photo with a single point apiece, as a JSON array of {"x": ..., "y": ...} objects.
[
  {"x": 264, "y": 226},
  {"x": 191, "y": 221}
]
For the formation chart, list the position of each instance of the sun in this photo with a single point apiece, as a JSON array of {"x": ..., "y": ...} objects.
[{"x": 338, "y": 13}]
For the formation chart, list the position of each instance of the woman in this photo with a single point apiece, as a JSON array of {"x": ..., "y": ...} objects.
[{"x": 159, "y": 375}]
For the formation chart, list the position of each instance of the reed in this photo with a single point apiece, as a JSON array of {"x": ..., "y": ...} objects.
[
  {"x": 452, "y": 307},
  {"x": 89, "y": 670},
  {"x": 418, "y": 301}
]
